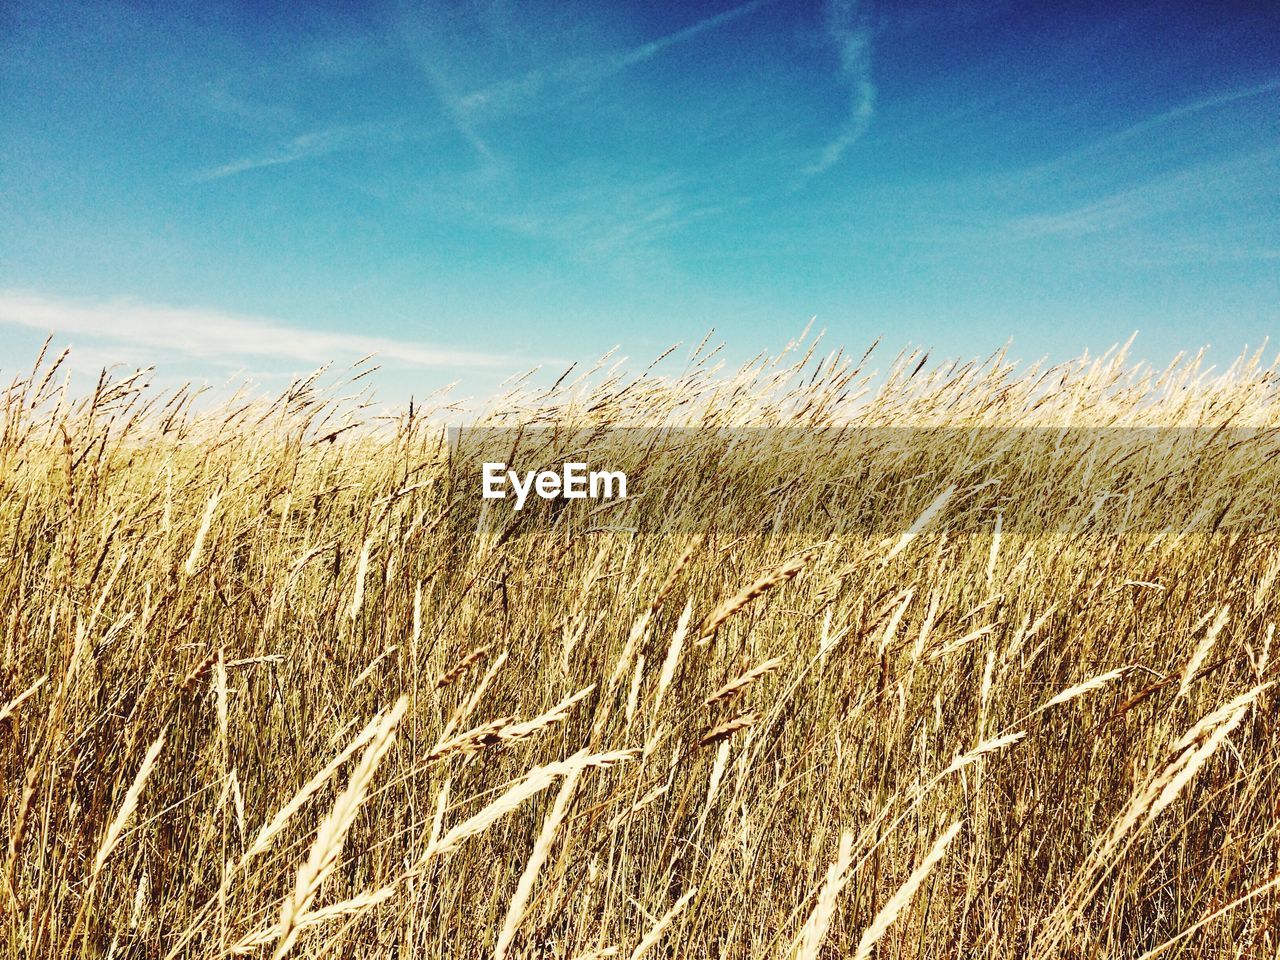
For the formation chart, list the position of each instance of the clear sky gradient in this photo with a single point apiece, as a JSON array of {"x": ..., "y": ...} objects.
[{"x": 474, "y": 188}]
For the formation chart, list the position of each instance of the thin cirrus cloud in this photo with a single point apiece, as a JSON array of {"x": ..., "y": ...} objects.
[
  {"x": 615, "y": 216},
  {"x": 648, "y": 50},
  {"x": 217, "y": 338},
  {"x": 580, "y": 73},
  {"x": 1149, "y": 125},
  {"x": 1219, "y": 184},
  {"x": 852, "y": 38},
  {"x": 316, "y": 143}
]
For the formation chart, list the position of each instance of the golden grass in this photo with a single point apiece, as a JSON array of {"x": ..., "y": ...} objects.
[{"x": 274, "y": 685}]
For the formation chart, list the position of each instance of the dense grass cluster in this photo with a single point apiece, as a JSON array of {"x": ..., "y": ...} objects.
[{"x": 262, "y": 694}]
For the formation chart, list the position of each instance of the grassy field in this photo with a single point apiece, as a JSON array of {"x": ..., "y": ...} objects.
[{"x": 274, "y": 685}]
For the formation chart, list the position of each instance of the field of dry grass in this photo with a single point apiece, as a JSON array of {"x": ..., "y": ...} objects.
[{"x": 271, "y": 684}]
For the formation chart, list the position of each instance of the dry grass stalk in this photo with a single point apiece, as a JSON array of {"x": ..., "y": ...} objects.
[
  {"x": 252, "y": 661},
  {"x": 220, "y": 694},
  {"x": 761, "y": 585},
  {"x": 906, "y": 893},
  {"x": 735, "y": 687},
  {"x": 197, "y": 547},
  {"x": 639, "y": 805},
  {"x": 513, "y": 732},
  {"x": 477, "y": 694},
  {"x": 1201, "y": 652},
  {"x": 995, "y": 551},
  {"x": 982, "y": 749},
  {"x": 262, "y": 842},
  {"x": 130, "y": 803},
  {"x": 922, "y": 521},
  {"x": 329, "y": 840},
  {"x": 1260, "y": 660},
  {"x": 531, "y": 784},
  {"x": 672, "y": 659},
  {"x": 237, "y": 799},
  {"x": 11, "y": 707},
  {"x": 1088, "y": 686},
  {"x": 368, "y": 671},
  {"x": 198, "y": 671},
  {"x": 951, "y": 647},
  {"x": 891, "y": 628},
  {"x": 633, "y": 695},
  {"x": 17, "y": 832},
  {"x": 809, "y": 941},
  {"x": 470, "y": 741},
  {"x": 362, "y": 573},
  {"x": 470, "y": 659},
  {"x": 717, "y": 774},
  {"x": 984, "y": 693},
  {"x": 654, "y": 934},
  {"x": 676, "y": 569},
  {"x": 1189, "y": 755},
  {"x": 352, "y": 907},
  {"x": 541, "y": 848},
  {"x": 636, "y": 634},
  {"x": 1209, "y": 918},
  {"x": 729, "y": 728}
]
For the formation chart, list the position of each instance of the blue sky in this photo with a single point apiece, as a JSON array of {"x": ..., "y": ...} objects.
[{"x": 474, "y": 188}]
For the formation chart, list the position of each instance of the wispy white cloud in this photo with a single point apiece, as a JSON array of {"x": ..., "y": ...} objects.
[
  {"x": 431, "y": 37},
  {"x": 576, "y": 74},
  {"x": 848, "y": 29},
  {"x": 614, "y": 221},
  {"x": 619, "y": 215},
  {"x": 1217, "y": 184},
  {"x": 615, "y": 216},
  {"x": 489, "y": 162},
  {"x": 215, "y": 337},
  {"x": 1149, "y": 125},
  {"x": 317, "y": 143},
  {"x": 647, "y": 51}
]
